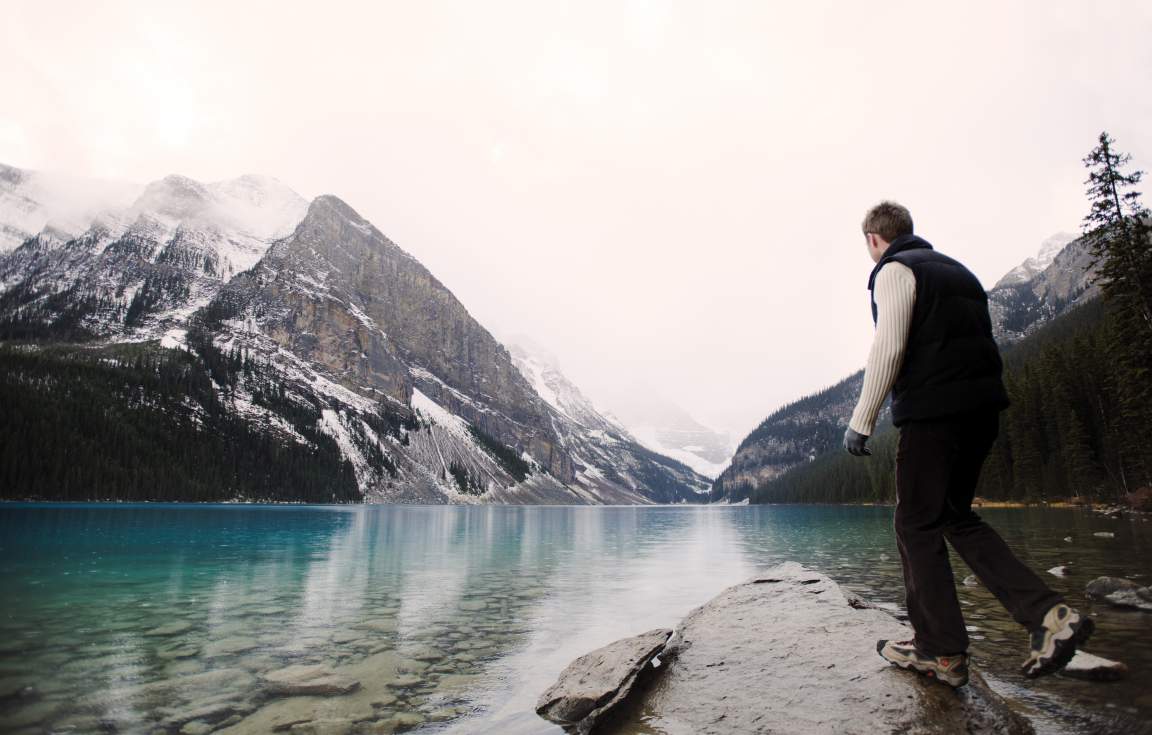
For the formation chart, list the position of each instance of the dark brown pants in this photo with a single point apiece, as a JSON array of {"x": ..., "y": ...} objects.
[{"x": 937, "y": 465}]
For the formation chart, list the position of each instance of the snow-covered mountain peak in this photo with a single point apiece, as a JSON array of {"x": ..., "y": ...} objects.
[
  {"x": 256, "y": 206},
  {"x": 1030, "y": 268}
]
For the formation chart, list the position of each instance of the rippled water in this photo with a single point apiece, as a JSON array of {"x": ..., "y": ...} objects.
[{"x": 170, "y": 618}]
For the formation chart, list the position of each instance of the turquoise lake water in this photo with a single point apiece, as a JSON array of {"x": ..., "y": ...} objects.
[{"x": 168, "y": 617}]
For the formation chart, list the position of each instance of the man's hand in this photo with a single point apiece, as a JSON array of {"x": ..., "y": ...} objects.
[{"x": 854, "y": 443}]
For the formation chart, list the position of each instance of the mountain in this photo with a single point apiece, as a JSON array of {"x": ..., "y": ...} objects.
[
  {"x": 1042, "y": 288},
  {"x": 1026, "y": 298},
  {"x": 298, "y": 330},
  {"x": 664, "y": 427},
  {"x": 601, "y": 445}
]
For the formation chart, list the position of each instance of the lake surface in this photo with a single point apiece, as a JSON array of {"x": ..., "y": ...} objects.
[{"x": 157, "y": 617}]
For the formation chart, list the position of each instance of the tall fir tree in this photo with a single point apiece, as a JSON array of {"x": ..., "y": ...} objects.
[{"x": 1119, "y": 229}]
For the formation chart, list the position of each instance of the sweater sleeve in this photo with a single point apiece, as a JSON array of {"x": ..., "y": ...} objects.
[{"x": 895, "y": 294}]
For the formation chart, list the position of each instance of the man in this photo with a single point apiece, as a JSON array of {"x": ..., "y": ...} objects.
[{"x": 934, "y": 350}]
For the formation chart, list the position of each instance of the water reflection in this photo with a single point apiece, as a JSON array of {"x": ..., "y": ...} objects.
[{"x": 147, "y": 617}]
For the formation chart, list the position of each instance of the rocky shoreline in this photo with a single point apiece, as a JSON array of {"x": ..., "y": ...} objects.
[{"x": 787, "y": 650}]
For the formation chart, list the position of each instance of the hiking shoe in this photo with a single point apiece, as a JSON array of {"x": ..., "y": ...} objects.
[
  {"x": 952, "y": 670},
  {"x": 1054, "y": 643}
]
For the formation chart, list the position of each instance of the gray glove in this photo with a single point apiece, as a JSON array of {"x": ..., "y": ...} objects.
[{"x": 854, "y": 443}]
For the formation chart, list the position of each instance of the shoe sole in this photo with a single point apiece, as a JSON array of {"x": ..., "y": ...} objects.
[
  {"x": 1063, "y": 649},
  {"x": 926, "y": 673}
]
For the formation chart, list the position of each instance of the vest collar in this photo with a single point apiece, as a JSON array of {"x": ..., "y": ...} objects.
[{"x": 899, "y": 245}]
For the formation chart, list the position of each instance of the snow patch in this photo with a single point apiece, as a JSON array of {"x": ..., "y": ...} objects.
[
  {"x": 434, "y": 412},
  {"x": 173, "y": 339}
]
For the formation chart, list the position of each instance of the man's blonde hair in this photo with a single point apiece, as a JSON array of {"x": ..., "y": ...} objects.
[{"x": 889, "y": 220}]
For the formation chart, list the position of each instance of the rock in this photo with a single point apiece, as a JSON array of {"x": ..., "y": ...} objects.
[
  {"x": 786, "y": 652},
  {"x": 207, "y": 710},
  {"x": 1140, "y": 599},
  {"x": 1101, "y": 587},
  {"x": 185, "y": 651},
  {"x": 301, "y": 680},
  {"x": 1085, "y": 665},
  {"x": 1060, "y": 571},
  {"x": 589, "y": 687},
  {"x": 333, "y": 726},
  {"x": 971, "y": 581},
  {"x": 170, "y": 629},
  {"x": 405, "y": 680},
  {"x": 230, "y": 646},
  {"x": 1068, "y": 539},
  {"x": 407, "y": 719},
  {"x": 197, "y": 727},
  {"x": 1120, "y": 592}
]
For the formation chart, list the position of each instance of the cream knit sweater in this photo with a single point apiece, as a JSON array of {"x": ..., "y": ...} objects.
[{"x": 895, "y": 294}]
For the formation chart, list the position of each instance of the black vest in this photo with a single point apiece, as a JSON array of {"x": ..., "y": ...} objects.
[{"x": 951, "y": 363}]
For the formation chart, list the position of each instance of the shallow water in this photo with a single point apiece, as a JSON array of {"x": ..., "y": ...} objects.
[{"x": 157, "y": 617}]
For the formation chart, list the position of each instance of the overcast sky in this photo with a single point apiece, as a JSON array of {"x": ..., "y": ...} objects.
[{"x": 666, "y": 195}]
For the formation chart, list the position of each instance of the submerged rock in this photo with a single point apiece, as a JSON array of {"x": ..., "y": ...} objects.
[
  {"x": 168, "y": 629},
  {"x": 302, "y": 679},
  {"x": 789, "y": 651},
  {"x": 593, "y": 684},
  {"x": 1085, "y": 665},
  {"x": 1120, "y": 592}
]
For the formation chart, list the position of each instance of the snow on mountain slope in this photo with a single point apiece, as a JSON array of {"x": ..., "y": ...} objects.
[
  {"x": 1035, "y": 265},
  {"x": 1042, "y": 287},
  {"x": 604, "y": 449},
  {"x": 542, "y": 371}
]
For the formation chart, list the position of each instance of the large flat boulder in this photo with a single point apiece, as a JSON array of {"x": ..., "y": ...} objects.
[{"x": 789, "y": 652}]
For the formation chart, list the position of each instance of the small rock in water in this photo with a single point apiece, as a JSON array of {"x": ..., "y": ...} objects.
[
  {"x": 170, "y": 629},
  {"x": 1068, "y": 539},
  {"x": 1120, "y": 592},
  {"x": 302, "y": 679},
  {"x": 1105, "y": 534},
  {"x": 1060, "y": 571},
  {"x": 971, "y": 581},
  {"x": 1085, "y": 665}
]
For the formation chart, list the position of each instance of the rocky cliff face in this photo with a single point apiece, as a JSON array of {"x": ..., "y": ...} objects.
[
  {"x": 315, "y": 327},
  {"x": 1033, "y": 293},
  {"x": 339, "y": 296}
]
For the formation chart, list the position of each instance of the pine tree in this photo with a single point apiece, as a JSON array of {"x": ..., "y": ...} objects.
[{"x": 1118, "y": 227}]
